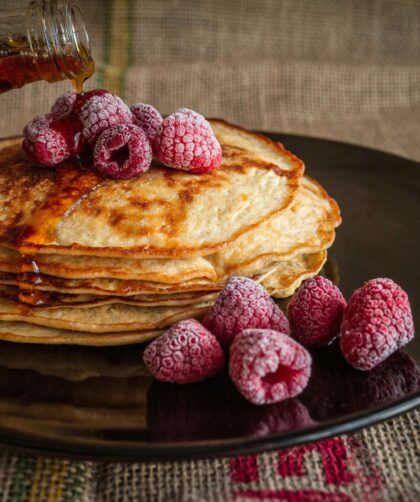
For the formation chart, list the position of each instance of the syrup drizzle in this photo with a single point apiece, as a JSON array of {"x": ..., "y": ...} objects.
[
  {"x": 28, "y": 279},
  {"x": 73, "y": 184},
  {"x": 73, "y": 187}
]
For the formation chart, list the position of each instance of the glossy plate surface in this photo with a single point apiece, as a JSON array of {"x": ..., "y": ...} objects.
[{"x": 97, "y": 403}]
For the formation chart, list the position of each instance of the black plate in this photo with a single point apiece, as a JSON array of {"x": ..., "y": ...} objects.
[{"x": 117, "y": 414}]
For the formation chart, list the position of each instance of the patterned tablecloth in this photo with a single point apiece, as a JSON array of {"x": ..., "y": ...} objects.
[{"x": 342, "y": 70}]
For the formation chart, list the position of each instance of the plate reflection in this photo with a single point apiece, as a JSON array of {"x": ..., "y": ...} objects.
[{"x": 105, "y": 396}]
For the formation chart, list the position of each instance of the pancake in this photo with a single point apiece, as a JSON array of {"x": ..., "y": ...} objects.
[
  {"x": 163, "y": 213},
  {"x": 282, "y": 282},
  {"x": 306, "y": 226},
  {"x": 301, "y": 265},
  {"x": 101, "y": 319},
  {"x": 22, "y": 332},
  {"x": 163, "y": 270},
  {"x": 56, "y": 300},
  {"x": 107, "y": 287}
]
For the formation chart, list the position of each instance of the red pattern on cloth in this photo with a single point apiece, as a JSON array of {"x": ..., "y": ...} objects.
[
  {"x": 295, "y": 495},
  {"x": 341, "y": 461}
]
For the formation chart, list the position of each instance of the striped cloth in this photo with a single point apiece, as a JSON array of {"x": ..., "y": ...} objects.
[{"x": 341, "y": 70}]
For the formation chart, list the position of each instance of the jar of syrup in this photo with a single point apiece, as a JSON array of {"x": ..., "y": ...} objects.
[{"x": 46, "y": 40}]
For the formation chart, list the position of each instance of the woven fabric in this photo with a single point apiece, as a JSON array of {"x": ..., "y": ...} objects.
[
  {"x": 377, "y": 464},
  {"x": 340, "y": 70}
]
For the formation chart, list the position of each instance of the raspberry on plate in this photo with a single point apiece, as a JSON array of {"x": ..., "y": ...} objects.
[
  {"x": 64, "y": 103},
  {"x": 186, "y": 353},
  {"x": 268, "y": 366},
  {"x": 316, "y": 311},
  {"x": 243, "y": 303},
  {"x": 377, "y": 321},
  {"x": 101, "y": 110},
  {"x": 122, "y": 151},
  {"x": 186, "y": 141},
  {"x": 148, "y": 118}
]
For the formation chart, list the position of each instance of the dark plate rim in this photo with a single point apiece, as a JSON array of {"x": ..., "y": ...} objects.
[{"x": 27, "y": 443}]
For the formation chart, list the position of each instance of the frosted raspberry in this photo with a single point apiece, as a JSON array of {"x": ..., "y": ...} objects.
[
  {"x": 187, "y": 111},
  {"x": 268, "y": 366},
  {"x": 316, "y": 311},
  {"x": 50, "y": 147},
  {"x": 186, "y": 141},
  {"x": 148, "y": 118},
  {"x": 64, "y": 103},
  {"x": 243, "y": 303},
  {"x": 82, "y": 98},
  {"x": 101, "y": 111},
  {"x": 123, "y": 151},
  {"x": 377, "y": 321},
  {"x": 37, "y": 124},
  {"x": 186, "y": 353}
]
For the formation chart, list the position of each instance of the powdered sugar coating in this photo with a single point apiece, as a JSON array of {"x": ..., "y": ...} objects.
[
  {"x": 100, "y": 112},
  {"x": 376, "y": 322},
  {"x": 268, "y": 366},
  {"x": 186, "y": 353},
  {"x": 148, "y": 118},
  {"x": 37, "y": 124},
  {"x": 186, "y": 141},
  {"x": 243, "y": 303},
  {"x": 122, "y": 151},
  {"x": 50, "y": 147},
  {"x": 64, "y": 103},
  {"x": 316, "y": 311}
]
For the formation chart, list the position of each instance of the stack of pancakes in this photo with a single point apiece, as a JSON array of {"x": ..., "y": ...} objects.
[{"x": 95, "y": 261}]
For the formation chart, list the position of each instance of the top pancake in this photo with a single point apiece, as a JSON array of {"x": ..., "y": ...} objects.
[{"x": 164, "y": 213}]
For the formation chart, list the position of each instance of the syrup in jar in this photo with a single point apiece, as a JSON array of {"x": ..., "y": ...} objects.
[{"x": 47, "y": 40}]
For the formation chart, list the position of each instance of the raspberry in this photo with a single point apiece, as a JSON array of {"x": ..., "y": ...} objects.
[
  {"x": 377, "y": 321},
  {"x": 316, "y": 311},
  {"x": 101, "y": 110},
  {"x": 64, "y": 103},
  {"x": 37, "y": 124},
  {"x": 186, "y": 141},
  {"x": 186, "y": 353},
  {"x": 243, "y": 303},
  {"x": 268, "y": 366},
  {"x": 123, "y": 151},
  {"x": 85, "y": 96},
  {"x": 187, "y": 111},
  {"x": 49, "y": 147},
  {"x": 148, "y": 118}
]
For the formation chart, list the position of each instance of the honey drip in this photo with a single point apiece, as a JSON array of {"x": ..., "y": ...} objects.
[{"x": 19, "y": 67}]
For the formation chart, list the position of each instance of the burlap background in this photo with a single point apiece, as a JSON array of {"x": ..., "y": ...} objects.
[{"x": 346, "y": 70}]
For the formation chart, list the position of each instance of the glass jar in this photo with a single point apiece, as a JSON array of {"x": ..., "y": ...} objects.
[{"x": 46, "y": 40}]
